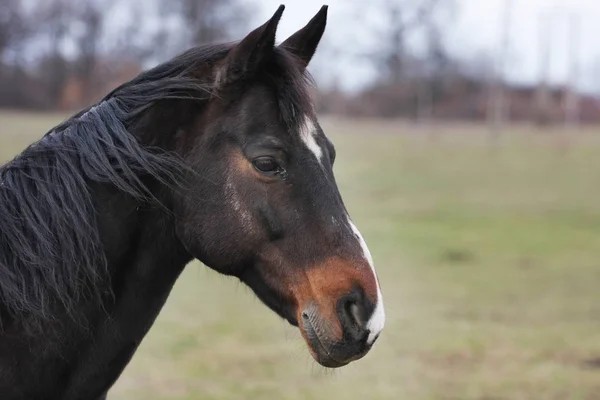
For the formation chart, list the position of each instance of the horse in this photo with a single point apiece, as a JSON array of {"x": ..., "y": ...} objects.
[{"x": 216, "y": 155}]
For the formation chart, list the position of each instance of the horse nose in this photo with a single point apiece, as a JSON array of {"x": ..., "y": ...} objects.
[{"x": 354, "y": 310}]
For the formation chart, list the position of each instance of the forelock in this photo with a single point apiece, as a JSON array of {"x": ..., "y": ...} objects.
[{"x": 292, "y": 85}]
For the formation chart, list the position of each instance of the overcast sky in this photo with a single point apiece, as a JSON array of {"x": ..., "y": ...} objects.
[{"x": 475, "y": 28}]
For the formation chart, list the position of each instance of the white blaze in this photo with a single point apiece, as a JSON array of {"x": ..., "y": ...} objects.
[
  {"x": 308, "y": 131},
  {"x": 377, "y": 321}
]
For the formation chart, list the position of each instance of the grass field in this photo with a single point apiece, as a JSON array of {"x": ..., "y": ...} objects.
[{"x": 489, "y": 259}]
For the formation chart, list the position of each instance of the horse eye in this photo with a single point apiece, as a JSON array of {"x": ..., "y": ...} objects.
[{"x": 267, "y": 165}]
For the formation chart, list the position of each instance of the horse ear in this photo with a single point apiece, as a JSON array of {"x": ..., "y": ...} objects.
[
  {"x": 249, "y": 55},
  {"x": 303, "y": 43}
]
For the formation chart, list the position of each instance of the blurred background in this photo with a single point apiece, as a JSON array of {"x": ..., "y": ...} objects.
[{"x": 468, "y": 154}]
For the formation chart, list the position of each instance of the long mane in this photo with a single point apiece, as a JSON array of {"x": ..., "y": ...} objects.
[{"x": 50, "y": 249}]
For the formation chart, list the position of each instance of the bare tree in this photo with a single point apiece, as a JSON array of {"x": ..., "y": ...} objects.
[
  {"x": 499, "y": 101},
  {"x": 13, "y": 25},
  {"x": 206, "y": 21},
  {"x": 74, "y": 32},
  {"x": 14, "y": 31},
  {"x": 76, "y": 47},
  {"x": 54, "y": 19},
  {"x": 402, "y": 85},
  {"x": 403, "y": 19},
  {"x": 436, "y": 67},
  {"x": 572, "y": 105},
  {"x": 543, "y": 101},
  {"x": 91, "y": 16}
]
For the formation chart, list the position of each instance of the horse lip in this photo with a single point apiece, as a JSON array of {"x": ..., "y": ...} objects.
[
  {"x": 319, "y": 351},
  {"x": 292, "y": 321}
]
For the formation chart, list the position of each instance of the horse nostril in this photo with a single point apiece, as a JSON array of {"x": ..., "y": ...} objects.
[
  {"x": 354, "y": 314},
  {"x": 352, "y": 317}
]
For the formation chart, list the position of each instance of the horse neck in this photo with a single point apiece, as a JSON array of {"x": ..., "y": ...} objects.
[{"x": 140, "y": 243}]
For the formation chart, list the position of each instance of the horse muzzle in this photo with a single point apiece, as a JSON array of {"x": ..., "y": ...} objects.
[{"x": 334, "y": 344}]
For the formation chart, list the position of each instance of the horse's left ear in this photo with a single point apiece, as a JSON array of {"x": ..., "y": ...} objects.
[
  {"x": 303, "y": 43},
  {"x": 248, "y": 56}
]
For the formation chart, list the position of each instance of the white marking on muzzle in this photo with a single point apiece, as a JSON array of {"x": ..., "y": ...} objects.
[
  {"x": 377, "y": 321},
  {"x": 308, "y": 131}
]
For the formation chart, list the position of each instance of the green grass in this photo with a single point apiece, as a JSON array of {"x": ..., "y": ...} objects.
[{"x": 489, "y": 260}]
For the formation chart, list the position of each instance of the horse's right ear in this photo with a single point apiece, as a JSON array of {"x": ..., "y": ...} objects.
[
  {"x": 303, "y": 43},
  {"x": 248, "y": 56}
]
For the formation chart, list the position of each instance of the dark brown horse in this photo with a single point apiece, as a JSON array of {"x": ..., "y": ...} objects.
[{"x": 215, "y": 155}]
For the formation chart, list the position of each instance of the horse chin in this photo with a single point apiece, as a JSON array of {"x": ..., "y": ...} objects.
[
  {"x": 292, "y": 321},
  {"x": 317, "y": 349}
]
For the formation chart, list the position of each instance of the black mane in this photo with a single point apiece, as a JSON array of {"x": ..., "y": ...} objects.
[{"x": 50, "y": 249}]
